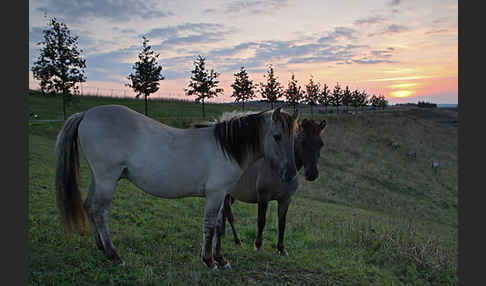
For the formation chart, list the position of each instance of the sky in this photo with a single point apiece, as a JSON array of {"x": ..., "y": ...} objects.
[{"x": 406, "y": 50}]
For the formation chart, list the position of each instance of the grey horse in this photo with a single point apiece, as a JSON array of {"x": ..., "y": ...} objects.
[{"x": 166, "y": 162}]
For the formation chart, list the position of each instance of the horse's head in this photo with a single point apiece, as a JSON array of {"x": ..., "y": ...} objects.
[
  {"x": 308, "y": 144},
  {"x": 278, "y": 143}
]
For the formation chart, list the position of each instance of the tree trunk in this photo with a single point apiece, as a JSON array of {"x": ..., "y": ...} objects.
[
  {"x": 271, "y": 103},
  {"x": 243, "y": 106},
  {"x": 204, "y": 114},
  {"x": 146, "y": 111},
  {"x": 64, "y": 106}
]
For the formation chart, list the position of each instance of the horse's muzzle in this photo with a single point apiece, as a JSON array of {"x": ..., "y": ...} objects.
[{"x": 311, "y": 175}]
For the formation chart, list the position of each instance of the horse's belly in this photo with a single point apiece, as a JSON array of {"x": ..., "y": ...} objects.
[
  {"x": 245, "y": 190},
  {"x": 167, "y": 182}
]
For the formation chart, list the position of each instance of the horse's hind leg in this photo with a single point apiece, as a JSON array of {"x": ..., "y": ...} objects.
[
  {"x": 229, "y": 215},
  {"x": 96, "y": 235},
  {"x": 98, "y": 208}
]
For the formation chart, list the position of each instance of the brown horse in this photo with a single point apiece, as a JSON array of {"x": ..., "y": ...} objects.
[{"x": 260, "y": 183}]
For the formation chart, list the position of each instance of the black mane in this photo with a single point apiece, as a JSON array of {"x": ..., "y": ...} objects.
[{"x": 240, "y": 135}]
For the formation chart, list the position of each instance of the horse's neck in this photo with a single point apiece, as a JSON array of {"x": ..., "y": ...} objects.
[
  {"x": 298, "y": 157},
  {"x": 250, "y": 159}
]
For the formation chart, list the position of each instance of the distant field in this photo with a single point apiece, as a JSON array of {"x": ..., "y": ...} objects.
[{"x": 375, "y": 216}]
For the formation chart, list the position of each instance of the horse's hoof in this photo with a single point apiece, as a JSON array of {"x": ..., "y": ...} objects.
[
  {"x": 283, "y": 253},
  {"x": 222, "y": 263},
  {"x": 210, "y": 264},
  {"x": 238, "y": 242},
  {"x": 227, "y": 266}
]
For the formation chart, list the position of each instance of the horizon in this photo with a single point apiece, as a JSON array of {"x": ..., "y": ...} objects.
[{"x": 404, "y": 50}]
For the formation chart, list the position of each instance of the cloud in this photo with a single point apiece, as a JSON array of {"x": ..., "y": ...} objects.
[
  {"x": 186, "y": 27},
  {"x": 339, "y": 32},
  {"x": 35, "y": 35},
  {"x": 436, "y": 31},
  {"x": 233, "y": 50},
  {"x": 394, "y": 3},
  {"x": 369, "y": 61},
  {"x": 189, "y": 33},
  {"x": 104, "y": 66},
  {"x": 396, "y": 29},
  {"x": 117, "y": 11},
  {"x": 391, "y": 29},
  {"x": 370, "y": 20},
  {"x": 381, "y": 53},
  {"x": 250, "y": 6}
]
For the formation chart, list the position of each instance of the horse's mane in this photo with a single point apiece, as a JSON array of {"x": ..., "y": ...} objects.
[{"x": 240, "y": 132}]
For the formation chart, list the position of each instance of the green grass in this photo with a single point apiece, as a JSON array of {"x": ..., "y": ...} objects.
[{"x": 374, "y": 216}]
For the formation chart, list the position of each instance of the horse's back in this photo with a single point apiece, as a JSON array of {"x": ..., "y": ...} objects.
[{"x": 115, "y": 133}]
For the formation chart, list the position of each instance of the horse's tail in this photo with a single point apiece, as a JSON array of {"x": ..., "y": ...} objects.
[{"x": 68, "y": 195}]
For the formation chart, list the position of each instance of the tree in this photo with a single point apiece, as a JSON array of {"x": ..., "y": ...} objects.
[
  {"x": 147, "y": 73},
  {"x": 243, "y": 88},
  {"x": 346, "y": 99},
  {"x": 272, "y": 90},
  {"x": 325, "y": 96},
  {"x": 293, "y": 93},
  {"x": 311, "y": 95},
  {"x": 203, "y": 83},
  {"x": 355, "y": 99},
  {"x": 375, "y": 101},
  {"x": 336, "y": 97},
  {"x": 59, "y": 66},
  {"x": 363, "y": 99},
  {"x": 382, "y": 102}
]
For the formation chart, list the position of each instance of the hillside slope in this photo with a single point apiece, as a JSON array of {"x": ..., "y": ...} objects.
[{"x": 375, "y": 216}]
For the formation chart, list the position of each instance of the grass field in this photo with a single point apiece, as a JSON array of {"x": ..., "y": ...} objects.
[{"x": 374, "y": 216}]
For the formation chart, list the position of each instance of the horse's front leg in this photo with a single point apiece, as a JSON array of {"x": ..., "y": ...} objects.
[
  {"x": 213, "y": 215},
  {"x": 283, "y": 206},
  {"x": 262, "y": 213},
  {"x": 218, "y": 256}
]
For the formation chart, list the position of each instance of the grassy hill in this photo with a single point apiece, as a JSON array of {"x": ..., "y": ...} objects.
[{"x": 375, "y": 216}]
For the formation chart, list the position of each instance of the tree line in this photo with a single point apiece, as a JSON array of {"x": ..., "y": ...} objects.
[{"x": 60, "y": 67}]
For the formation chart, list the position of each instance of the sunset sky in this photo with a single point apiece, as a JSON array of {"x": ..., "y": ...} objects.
[{"x": 406, "y": 50}]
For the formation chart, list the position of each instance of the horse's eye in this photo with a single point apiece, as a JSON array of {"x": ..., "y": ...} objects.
[{"x": 277, "y": 137}]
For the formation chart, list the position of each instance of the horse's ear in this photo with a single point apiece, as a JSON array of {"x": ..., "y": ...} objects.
[
  {"x": 323, "y": 124},
  {"x": 276, "y": 113},
  {"x": 295, "y": 115}
]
